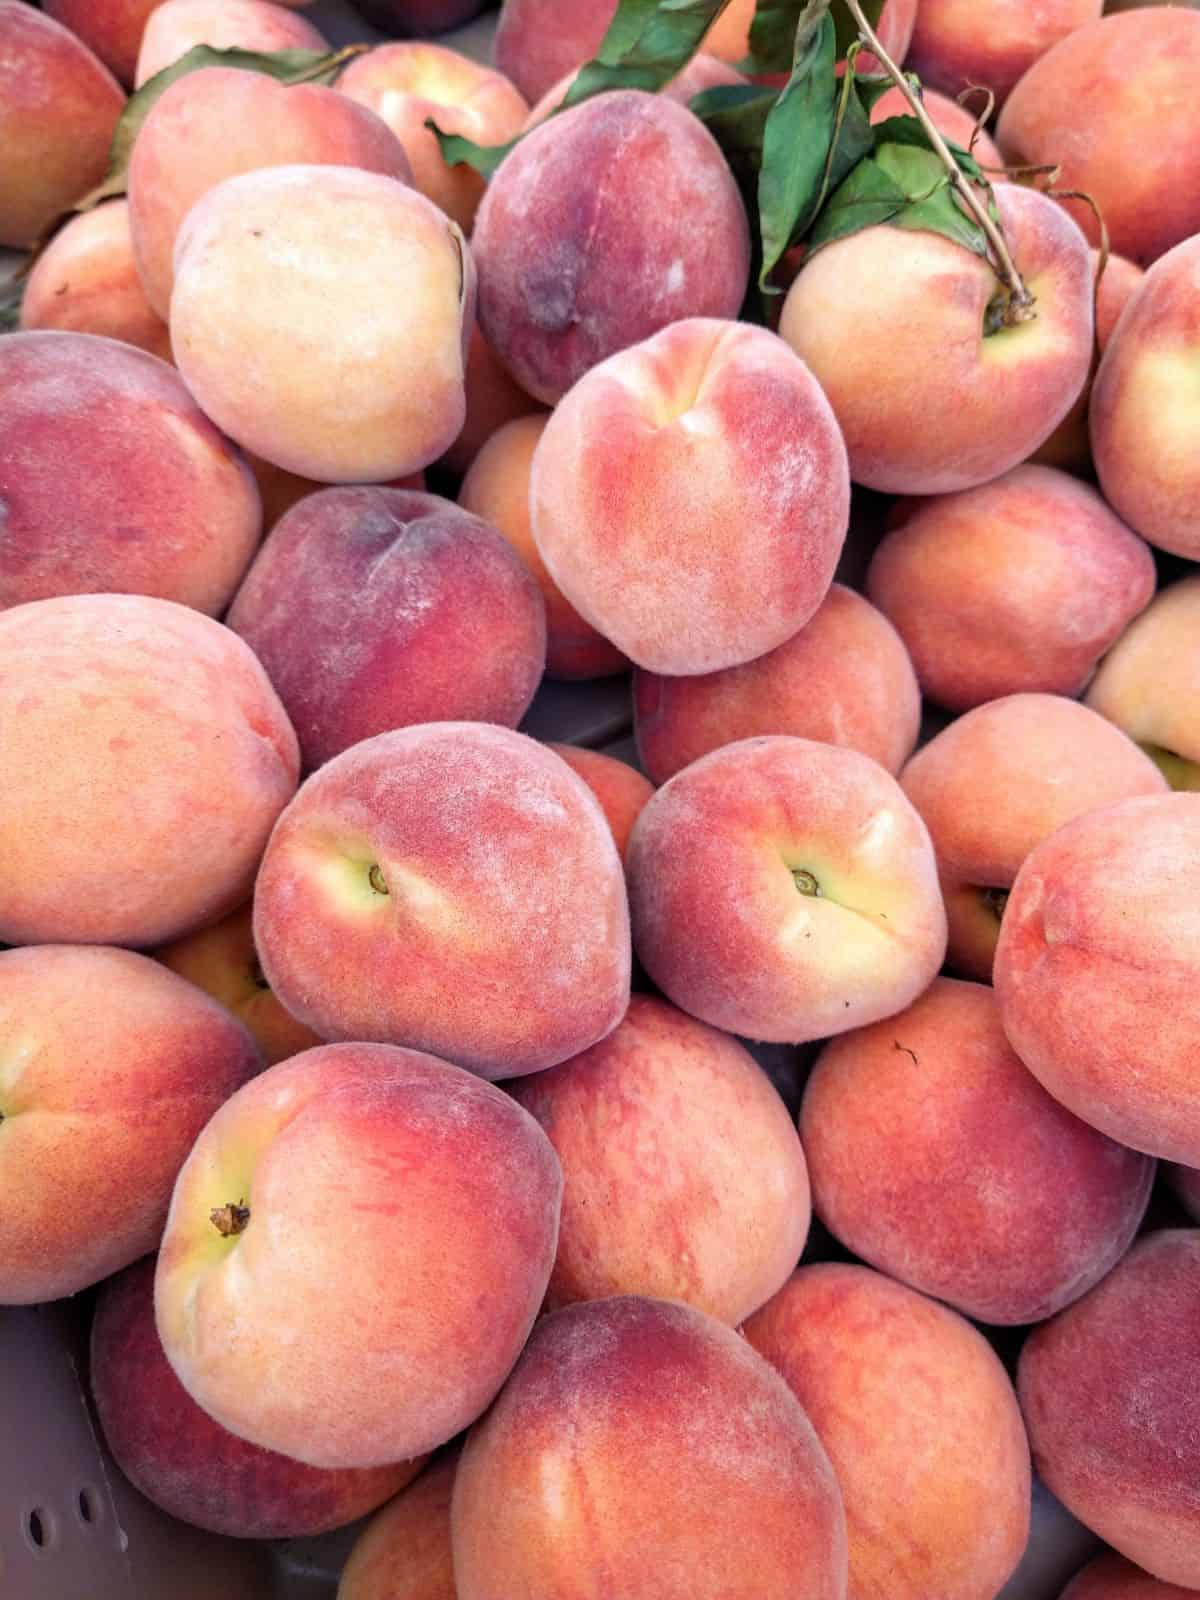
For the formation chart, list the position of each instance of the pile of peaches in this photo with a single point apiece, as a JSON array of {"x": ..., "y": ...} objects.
[{"x": 385, "y": 1073}]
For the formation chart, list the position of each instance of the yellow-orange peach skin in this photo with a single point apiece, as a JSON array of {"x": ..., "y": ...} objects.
[
  {"x": 145, "y": 759},
  {"x": 866, "y": 312},
  {"x": 320, "y": 316},
  {"x": 921, "y": 1425},
  {"x": 174, "y": 26},
  {"x": 368, "y": 1202},
  {"x": 111, "y": 1067},
  {"x": 404, "y": 1551}
]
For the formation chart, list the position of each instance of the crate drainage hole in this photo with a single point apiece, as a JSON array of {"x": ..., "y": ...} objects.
[
  {"x": 39, "y": 1529},
  {"x": 86, "y": 1513}
]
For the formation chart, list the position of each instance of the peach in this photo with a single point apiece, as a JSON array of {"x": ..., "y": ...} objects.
[
  {"x": 112, "y": 1066},
  {"x": 407, "y": 84},
  {"x": 111, "y": 28},
  {"x": 1109, "y": 1577},
  {"x": 683, "y": 1178},
  {"x": 939, "y": 1159},
  {"x": 603, "y": 226},
  {"x": 866, "y": 311},
  {"x": 145, "y": 759},
  {"x": 959, "y": 43},
  {"x": 1096, "y": 969},
  {"x": 998, "y": 781},
  {"x": 1142, "y": 419},
  {"x": 953, "y": 121},
  {"x": 492, "y": 399},
  {"x": 785, "y": 890},
  {"x": 320, "y": 316},
  {"x": 58, "y": 110},
  {"x": 1019, "y": 585},
  {"x": 424, "y": 1198},
  {"x": 642, "y": 1448},
  {"x": 175, "y": 26},
  {"x": 844, "y": 679},
  {"x": 1068, "y": 446},
  {"x": 184, "y": 1461},
  {"x": 496, "y": 488},
  {"x": 690, "y": 497},
  {"x": 115, "y": 480},
  {"x": 404, "y": 1552},
  {"x": 921, "y": 1425},
  {"x": 1109, "y": 1397},
  {"x": 373, "y": 609},
  {"x": 86, "y": 281},
  {"x": 621, "y": 789},
  {"x": 453, "y": 886},
  {"x": 223, "y": 962},
  {"x": 1110, "y": 105},
  {"x": 219, "y": 122},
  {"x": 1149, "y": 683}
]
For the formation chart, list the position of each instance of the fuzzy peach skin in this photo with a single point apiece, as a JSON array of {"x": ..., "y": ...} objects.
[
  {"x": 1149, "y": 683},
  {"x": 320, "y": 315},
  {"x": 702, "y": 72},
  {"x": 492, "y": 400},
  {"x": 1069, "y": 445},
  {"x": 184, "y": 1461},
  {"x": 604, "y": 225},
  {"x": 219, "y": 122},
  {"x": 844, "y": 679},
  {"x": 958, "y": 43},
  {"x": 1143, "y": 414},
  {"x": 690, "y": 497},
  {"x": 1110, "y": 1400},
  {"x": 1096, "y": 969},
  {"x": 866, "y": 311},
  {"x": 404, "y": 1552},
  {"x": 454, "y": 887},
  {"x": 405, "y": 84},
  {"x": 114, "y": 479},
  {"x": 222, "y": 961},
  {"x": 642, "y": 1448},
  {"x": 921, "y": 1425},
  {"x": 621, "y": 789},
  {"x": 496, "y": 488},
  {"x": 998, "y": 781},
  {"x": 1110, "y": 1577},
  {"x": 683, "y": 1175},
  {"x": 111, "y": 28},
  {"x": 1019, "y": 585},
  {"x": 785, "y": 890},
  {"x": 953, "y": 121},
  {"x": 936, "y": 1157},
  {"x": 1111, "y": 106},
  {"x": 175, "y": 26},
  {"x": 373, "y": 1204},
  {"x": 110, "y": 1067},
  {"x": 86, "y": 281},
  {"x": 58, "y": 109},
  {"x": 375, "y": 608},
  {"x": 145, "y": 759}
]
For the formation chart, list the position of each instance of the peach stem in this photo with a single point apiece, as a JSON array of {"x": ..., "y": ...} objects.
[{"x": 1020, "y": 302}]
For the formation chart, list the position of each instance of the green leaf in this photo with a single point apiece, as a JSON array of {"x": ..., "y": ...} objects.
[
  {"x": 736, "y": 116},
  {"x": 799, "y": 138},
  {"x": 901, "y": 184},
  {"x": 907, "y": 130},
  {"x": 648, "y": 42},
  {"x": 288, "y": 66},
  {"x": 847, "y": 28},
  {"x": 459, "y": 151}
]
